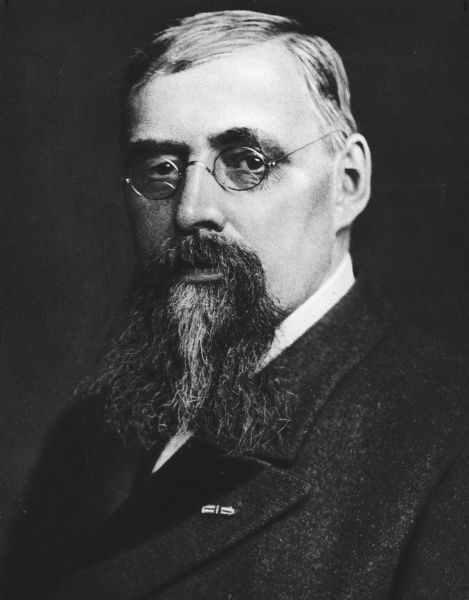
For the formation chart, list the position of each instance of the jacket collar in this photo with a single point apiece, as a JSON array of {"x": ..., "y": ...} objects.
[{"x": 320, "y": 359}]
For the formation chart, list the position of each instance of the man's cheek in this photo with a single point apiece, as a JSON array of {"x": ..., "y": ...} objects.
[{"x": 150, "y": 226}]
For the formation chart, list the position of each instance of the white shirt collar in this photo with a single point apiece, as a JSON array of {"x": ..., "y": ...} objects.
[
  {"x": 312, "y": 310},
  {"x": 293, "y": 327}
]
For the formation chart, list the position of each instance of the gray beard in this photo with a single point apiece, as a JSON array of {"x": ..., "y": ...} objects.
[{"x": 187, "y": 359}]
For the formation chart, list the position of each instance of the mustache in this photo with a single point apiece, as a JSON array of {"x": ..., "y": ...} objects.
[{"x": 202, "y": 250}]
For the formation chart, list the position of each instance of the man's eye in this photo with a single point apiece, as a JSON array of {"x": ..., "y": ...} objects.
[
  {"x": 159, "y": 168},
  {"x": 252, "y": 163},
  {"x": 243, "y": 159}
]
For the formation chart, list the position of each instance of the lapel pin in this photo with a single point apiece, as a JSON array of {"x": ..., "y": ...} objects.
[{"x": 216, "y": 509}]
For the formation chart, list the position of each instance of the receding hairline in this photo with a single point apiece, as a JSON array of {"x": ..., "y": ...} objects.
[
  {"x": 276, "y": 44},
  {"x": 206, "y": 37},
  {"x": 281, "y": 42}
]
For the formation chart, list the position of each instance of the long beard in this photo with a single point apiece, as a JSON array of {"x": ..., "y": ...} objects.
[{"x": 188, "y": 358}]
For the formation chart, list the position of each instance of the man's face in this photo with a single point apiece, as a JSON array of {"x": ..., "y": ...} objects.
[{"x": 288, "y": 221}]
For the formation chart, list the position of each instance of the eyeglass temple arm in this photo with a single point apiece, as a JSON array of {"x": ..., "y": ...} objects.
[
  {"x": 128, "y": 182},
  {"x": 272, "y": 163}
]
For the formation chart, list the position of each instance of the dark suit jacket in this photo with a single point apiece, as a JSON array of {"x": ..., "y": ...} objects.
[{"x": 368, "y": 498}]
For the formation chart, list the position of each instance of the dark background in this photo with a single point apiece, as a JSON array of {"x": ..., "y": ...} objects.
[{"x": 66, "y": 250}]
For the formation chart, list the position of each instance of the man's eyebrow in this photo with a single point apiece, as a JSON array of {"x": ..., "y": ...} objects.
[
  {"x": 144, "y": 148},
  {"x": 235, "y": 136},
  {"x": 245, "y": 136}
]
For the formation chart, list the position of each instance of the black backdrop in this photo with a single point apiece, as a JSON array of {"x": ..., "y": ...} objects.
[{"x": 66, "y": 250}]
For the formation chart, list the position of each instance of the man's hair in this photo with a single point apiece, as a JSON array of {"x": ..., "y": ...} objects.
[{"x": 204, "y": 37}]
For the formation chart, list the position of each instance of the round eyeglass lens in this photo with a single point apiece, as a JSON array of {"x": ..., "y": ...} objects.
[
  {"x": 156, "y": 177},
  {"x": 239, "y": 168}
]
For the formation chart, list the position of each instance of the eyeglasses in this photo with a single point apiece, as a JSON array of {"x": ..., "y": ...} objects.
[{"x": 236, "y": 168}]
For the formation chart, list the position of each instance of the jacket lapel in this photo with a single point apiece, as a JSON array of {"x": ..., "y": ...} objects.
[{"x": 199, "y": 504}]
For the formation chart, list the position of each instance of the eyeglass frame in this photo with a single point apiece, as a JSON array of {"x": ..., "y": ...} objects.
[{"x": 269, "y": 165}]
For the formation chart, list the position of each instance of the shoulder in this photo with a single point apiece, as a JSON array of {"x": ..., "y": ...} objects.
[
  {"x": 407, "y": 350},
  {"x": 73, "y": 485},
  {"x": 419, "y": 383},
  {"x": 78, "y": 453},
  {"x": 409, "y": 356},
  {"x": 406, "y": 379},
  {"x": 70, "y": 441}
]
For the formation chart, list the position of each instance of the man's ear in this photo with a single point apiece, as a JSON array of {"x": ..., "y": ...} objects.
[{"x": 353, "y": 181}]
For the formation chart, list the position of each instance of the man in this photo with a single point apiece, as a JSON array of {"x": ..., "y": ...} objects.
[{"x": 264, "y": 426}]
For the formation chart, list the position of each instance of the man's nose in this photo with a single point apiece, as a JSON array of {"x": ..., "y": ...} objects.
[{"x": 199, "y": 201}]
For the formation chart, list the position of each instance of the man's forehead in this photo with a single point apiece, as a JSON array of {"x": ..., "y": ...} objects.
[
  {"x": 255, "y": 87},
  {"x": 268, "y": 59}
]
